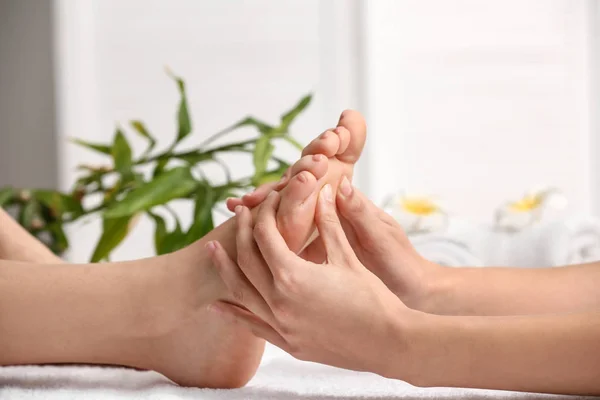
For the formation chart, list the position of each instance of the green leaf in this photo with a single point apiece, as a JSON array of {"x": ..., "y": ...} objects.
[
  {"x": 6, "y": 194},
  {"x": 114, "y": 230},
  {"x": 172, "y": 184},
  {"x": 290, "y": 116},
  {"x": 160, "y": 231},
  {"x": 262, "y": 155},
  {"x": 184, "y": 124},
  {"x": 203, "y": 220},
  {"x": 140, "y": 128},
  {"x": 29, "y": 212},
  {"x": 273, "y": 175},
  {"x": 59, "y": 238},
  {"x": 121, "y": 153},
  {"x": 293, "y": 142},
  {"x": 101, "y": 148},
  {"x": 262, "y": 127},
  {"x": 195, "y": 157},
  {"x": 160, "y": 167},
  {"x": 58, "y": 202},
  {"x": 173, "y": 241}
]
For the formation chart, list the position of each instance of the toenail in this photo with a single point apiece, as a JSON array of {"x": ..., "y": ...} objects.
[
  {"x": 345, "y": 187},
  {"x": 302, "y": 177},
  {"x": 317, "y": 157},
  {"x": 338, "y": 130},
  {"x": 325, "y": 135}
]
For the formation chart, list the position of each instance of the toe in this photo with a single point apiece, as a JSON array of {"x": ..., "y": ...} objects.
[
  {"x": 355, "y": 124},
  {"x": 344, "y": 138},
  {"x": 296, "y": 211},
  {"x": 315, "y": 164},
  {"x": 327, "y": 144}
]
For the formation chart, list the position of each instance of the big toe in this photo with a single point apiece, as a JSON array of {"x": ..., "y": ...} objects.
[
  {"x": 295, "y": 216},
  {"x": 354, "y": 123}
]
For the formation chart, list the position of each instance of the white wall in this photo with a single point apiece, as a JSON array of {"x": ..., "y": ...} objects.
[
  {"x": 474, "y": 101},
  {"x": 477, "y": 101},
  {"x": 237, "y": 57}
]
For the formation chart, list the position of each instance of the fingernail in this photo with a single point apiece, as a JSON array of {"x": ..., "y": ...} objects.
[
  {"x": 327, "y": 194},
  {"x": 211, "y": 246},
  {"x": 345, "y": 187},
  {"x": 317, "y": 157},
  {"x": 238, "y": 210}
]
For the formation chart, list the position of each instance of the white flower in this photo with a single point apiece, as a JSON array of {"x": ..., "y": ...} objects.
[
  {"x": 416, "y": 213},
  {"x": 532, "y": 207}
]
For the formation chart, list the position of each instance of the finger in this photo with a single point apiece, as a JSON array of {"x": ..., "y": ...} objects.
[
  {"x": 256, "y": 197},
  {"x": 233, "y": 202},
  {"x": 249, "y": 259},
  {"x": 257, "y": 326},
  {"x": 358, "y": 211},
  {"x": 241, "y": 290},
  {"x": 330, "y": 229},
  {"x": 270, "y": 242}
]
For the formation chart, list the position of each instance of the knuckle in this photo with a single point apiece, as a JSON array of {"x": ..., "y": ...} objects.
[
  {"x": 288, "y": 281},
  {"x": 260, "y": 230},
  {"x": 358, "y": 206},
  {"x": 243, "y": 259}
]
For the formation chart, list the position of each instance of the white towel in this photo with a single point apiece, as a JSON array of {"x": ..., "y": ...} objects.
[
  {"x": 571, "y": 240},
  {"x": 280, "y": 377},
  {"x": 445, "y": 250}
]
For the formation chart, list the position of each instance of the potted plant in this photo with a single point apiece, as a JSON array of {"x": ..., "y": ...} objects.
[{"x": 126, "y": 192}]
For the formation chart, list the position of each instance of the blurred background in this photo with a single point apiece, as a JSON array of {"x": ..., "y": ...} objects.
[{"x": 473, "y": 101}]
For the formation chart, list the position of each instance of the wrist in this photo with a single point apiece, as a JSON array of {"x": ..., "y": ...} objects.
[
  {"x": 430, "y": 288},
  {"x": 400, "y": 348}
]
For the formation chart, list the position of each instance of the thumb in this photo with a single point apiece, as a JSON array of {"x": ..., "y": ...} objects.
[
  {"x": 358, "y": 211},
  {"x": 336, "y": 244}
]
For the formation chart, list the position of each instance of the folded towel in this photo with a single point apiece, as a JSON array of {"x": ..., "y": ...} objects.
[
  {"x": 445, "y": 250},
  {"x": 571, "y": 240},
  {"x": 281, "y": 377}
]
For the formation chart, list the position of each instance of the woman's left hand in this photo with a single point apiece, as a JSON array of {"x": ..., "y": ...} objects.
[{"x": 336, "y": 313}]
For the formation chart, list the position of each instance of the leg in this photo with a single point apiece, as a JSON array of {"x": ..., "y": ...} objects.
[
  {"x": 152, "y": 313},
  {"x": 17, "y": 244}
]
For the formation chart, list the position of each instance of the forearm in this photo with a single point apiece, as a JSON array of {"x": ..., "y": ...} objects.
[
  {"x": 513, "y": 291},
  {"x": 549, "y": 353},
  {"x": 17, "y": 244},
  {"x": 76, "y": 313}
]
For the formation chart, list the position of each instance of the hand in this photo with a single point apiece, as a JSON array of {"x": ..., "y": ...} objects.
[
  {"x": 377, "y": 239},
  {"x": 382, "y": 246},
  {"x": 337, "y": 313}
]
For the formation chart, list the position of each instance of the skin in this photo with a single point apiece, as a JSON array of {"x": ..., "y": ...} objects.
[
  {"x": 309, "y": 310},
  {"x": 152, "y": 313}
]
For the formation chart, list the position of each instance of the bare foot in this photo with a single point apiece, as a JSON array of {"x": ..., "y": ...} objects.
[
  {"x": 205, "y": 350},
  {"x": 342, "y": 146},
  {"x": 189, "y": 344}
]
